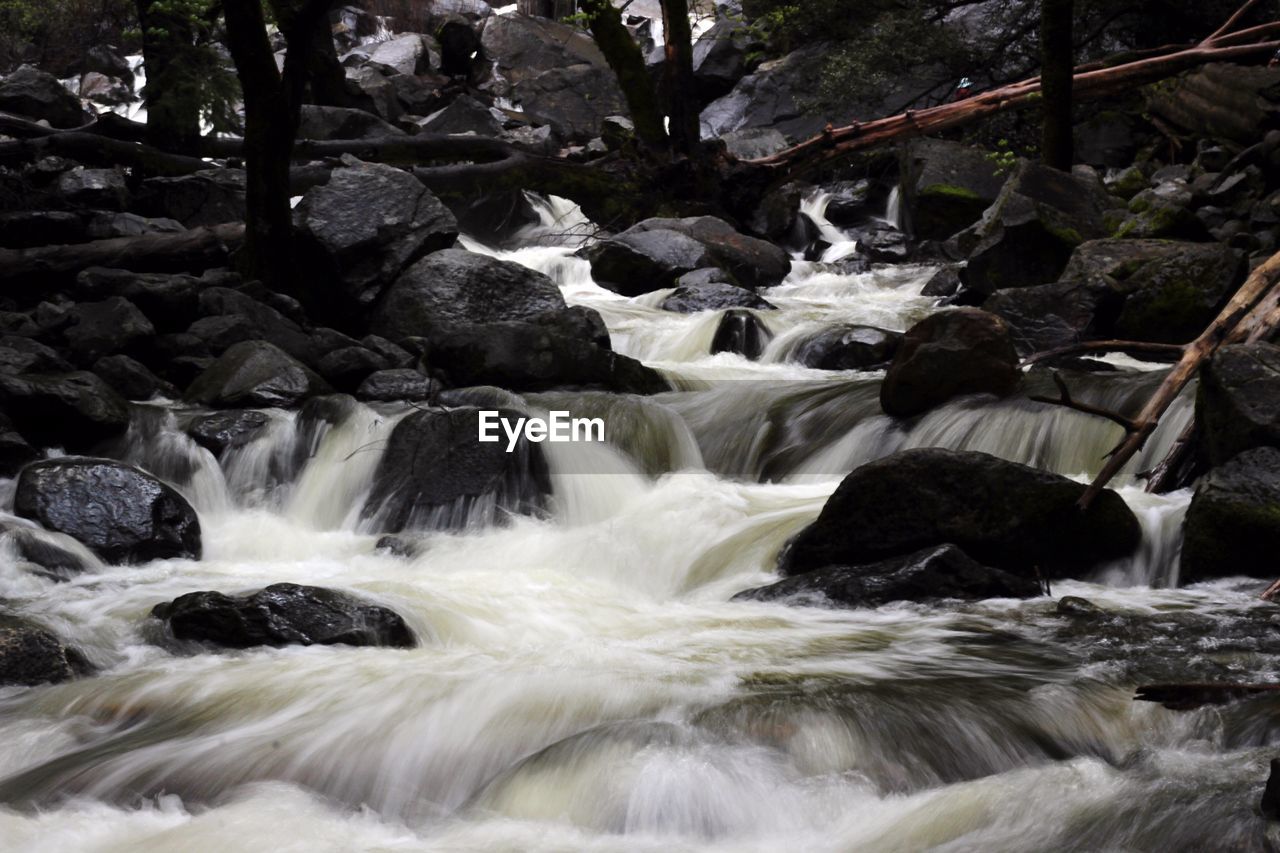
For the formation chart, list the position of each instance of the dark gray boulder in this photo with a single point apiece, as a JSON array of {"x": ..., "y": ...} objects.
[
  {"x": 73, "y": 410},
  {"x": 122, "y": 514},
  {"x": 707, "y": 290},
  {"x": 38, "y": 95},
  {"x": 947, "y": 186},
  {"x": 455, "y": 287},
  {"x": 1027, "y": 236},
  {"x": 345, "y": 368},
  {"x": 169, "y": 301},
  {"x": 1003, "y": 514},
  {"x": 237, "y": 313},
  {"x": 367, "y": 224},
  {"x": 1232, "y": 526},
  {"x": 464, "y": 114},
  {"x": 949, "y": 354},
  {"x": 406, "y": 54},
  {"x": 132, "y": 379},
  {"x": 932, "y": 574},
  {"x": 402, "y": 383},
  {"x": 741, "y": 332},
  {"x": 101, "y": 189},
  {"x": 20, "y": 354},
  {"x": 436, "y": 474},
  {"x": 255, "y": 373},
  {"x": 220, "y": 431},
  {"x": 284, "y": 614},
  {"x": 40, "y": 551},
  {"x": 720, "y": 57},
  {"x": 31, "y": 654},
  {"x": 319, "y": 122},
  {"x": 109, "y": 327},
  {"x": 208, "y": 197},
  {"x": 847, "y": 347},
  {"x": 1238, "y": 402}
]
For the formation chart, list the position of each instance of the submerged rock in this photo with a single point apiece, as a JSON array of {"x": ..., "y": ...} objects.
[
  {"x": 220, "y": 431},
  {"x": 1003, "y": 514},
  {"x": 927, "y": 575},
  {"x": 31, "y": 654},
  {"x": 1232, "y": 526},
  {"x": 950, "y": 354},
  {"x": 741, "y": 332},
  {"x": 255, "y": 373},
  {"x": 50, "y": 558},
  {"x": 436, "y": 474},
  {"x": 121, "y": 513},
  {"x": 284, "y": 614},
  {"x": 698, "y": 291},
  {"x": 847, "y": 347}
]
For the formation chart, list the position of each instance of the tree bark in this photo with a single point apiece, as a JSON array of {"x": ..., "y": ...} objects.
[
  {"x": 678, "y": 84},
  {"x": 627, "y": 62},
  {"x": 1056, "y": 72}
]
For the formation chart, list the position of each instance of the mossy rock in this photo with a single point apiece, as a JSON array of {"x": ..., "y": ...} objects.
[{"x": 1233, "y": 524}]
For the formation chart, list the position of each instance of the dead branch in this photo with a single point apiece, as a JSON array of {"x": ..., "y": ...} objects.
[
  {"x": 1066, "y": 401},
  {"x": 1139, "y": 347}
]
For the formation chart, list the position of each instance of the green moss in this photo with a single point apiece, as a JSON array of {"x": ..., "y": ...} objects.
[{"x": 950, "y": 191}]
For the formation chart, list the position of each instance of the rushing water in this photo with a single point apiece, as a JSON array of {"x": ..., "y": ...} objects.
[{"x": 583, "y": 680}]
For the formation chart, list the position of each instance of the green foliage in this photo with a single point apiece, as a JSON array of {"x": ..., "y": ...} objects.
[{"x": 55, "y": 34}]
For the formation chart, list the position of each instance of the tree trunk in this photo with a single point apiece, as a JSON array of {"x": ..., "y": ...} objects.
[
  {"x": 678, "y": 85},
  {"x": 173, "y": 110},
  {"x": 1056, "y": 71},
  {"x": 627, "y": 62},
  {"x": 327, "y": 78}
]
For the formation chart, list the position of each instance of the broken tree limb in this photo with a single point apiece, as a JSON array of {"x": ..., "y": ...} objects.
[
  {"x": 1250, "y": 307},
  {"x": 1066, "y": 401},
  {"x": 1127, "y": 347},
  {"x": 196, "y": 249}
]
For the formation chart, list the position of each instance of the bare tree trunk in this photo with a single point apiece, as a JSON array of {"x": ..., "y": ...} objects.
[
  {"x": 627, "y": 62},
  {"x": 678, "y": 85},
  {"x": 1056, "y": 72}
]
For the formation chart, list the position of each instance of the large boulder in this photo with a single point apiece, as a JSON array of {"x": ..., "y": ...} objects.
[
  {"x": 720, "y": 57},
  {"x": 946, "y": 186},
  {"x": 27, "y": 355},
  {"x": 847, "y": 347},
  {"x": 74, "y": 410},
  {"x": 928, "y": 575},
  {"x": 436, "y": 474},
  {"x": 1232, "y": 526},
  {"x": 319, "y": 122},
  {"x": 221, "y": 431},
  {"x": 1163, "y": 211},
  {"x": 1238, "y": 402},
  {"x": 231, "y": 316},
  {"x": 122, "y": 514},
  {"x": 1147, "y": 290},
  {"x": 706, "y": 290},
  {"x": 367, "y": 224},
  {"x": 454, "y": 288},
  {"x": 408, "y": 54},
  {"x": 284, "y": 614},
  {"x": 255, "y": 373},
  {"x": 169, "y": 300},
  {"x": 207, "y": 197},
  {"x": 1027, "y": 236},
  {"x": 103, "y": 189},
  {"x": 109, "y": 327},
  {"x": 464, "y": 114},
  {"x": 574, "y": 101},
  {"x": 949, "y": 354},
  {"x": 31, "y": 654},
  {"x": 655, "y": 253},
  {"x": 38, "y": 95},
  {"x": 542, "y": 353},
  {"x": 1003, "y": 514}
]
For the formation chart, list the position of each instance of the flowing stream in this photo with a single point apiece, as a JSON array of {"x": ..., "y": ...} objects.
[{"x": 583, "y": 681}]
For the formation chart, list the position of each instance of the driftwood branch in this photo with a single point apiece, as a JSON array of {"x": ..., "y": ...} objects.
[{"x": 1066, "y": 400}]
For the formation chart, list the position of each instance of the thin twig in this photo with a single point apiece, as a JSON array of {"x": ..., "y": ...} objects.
[{"x": 1066, "y": 401}]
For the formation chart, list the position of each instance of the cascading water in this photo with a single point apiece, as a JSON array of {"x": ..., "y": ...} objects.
[{"x": 583, "y": 680}]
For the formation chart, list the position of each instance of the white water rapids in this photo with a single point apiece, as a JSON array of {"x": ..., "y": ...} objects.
[{"x": 583, "y": 681}]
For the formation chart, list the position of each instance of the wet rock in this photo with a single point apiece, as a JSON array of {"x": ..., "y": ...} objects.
[
  {"x": 741, "y": 332},
  {"x": 1147, "y": 290},
  {"x": 1232, "y": 526},
  {"x": 104, "y": 59},
  {"x": 284, "y": 614},
  {"x": 346, "y": 368},
  {"x": 103, "y": 225},
  {"x": 122, "y": 514},
  {"x": 132, "y": 379},
  {"x": 707, "y": 290},
  {"x": 574, "y": 101},
  {"x": 238, "y": 309},
  {"x": 374, "y": 91},
  {"x": 397, "y": 384},
  {"x": 102, "y": 89},
  {"x": 31, "y": 654},
  {"x": 454, "y": 288},
  {"x": 1003, "y": 514},
  {"x": 1027, "y": 236},
  {"x": 396, "y": 546},
  {"x": 255, "y": 373},
  {"x": 104, "y": 328},
  {"x": 463, "y": 115},
  {"x": 72, "y": 410},
  {"x": 343, "y": 123},
  {"x": 103, "y": 189},
  {"x": 950, "y": 354},
  {"x": 459, "y": 43},
  {"x": 538, "y": 355},
  {"x": 435, "y": 474},
  {"x": 20, "y": 354},
  {"x": 367, "y": 224},
  {"x": 222, "y": 431},
  {"x": 46, "y": 557},
  {"x": 770, "y": 97},
  {"x": 208, "y": 197},
  {"x": 1075, "y": 606},
  {"x": 1238, "y": 402},
  {"x": 38, "y": 95},
  {"x": 655, "y": 253},
  {"x": 945, "y": 282},
  {"x": 847, "y": 347},
  {"x": 947, "y": 187},
  {"x": 931, "y": 574},
  {"x": 720, "y": 57}
]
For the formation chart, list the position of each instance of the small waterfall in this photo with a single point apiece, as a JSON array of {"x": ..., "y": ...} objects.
[
  {"x": 840, "y": 245},
  {"x": 893, "y": 208}
]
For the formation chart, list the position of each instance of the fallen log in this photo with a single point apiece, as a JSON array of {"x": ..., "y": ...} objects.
[{"x": 186, "y": 251}]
